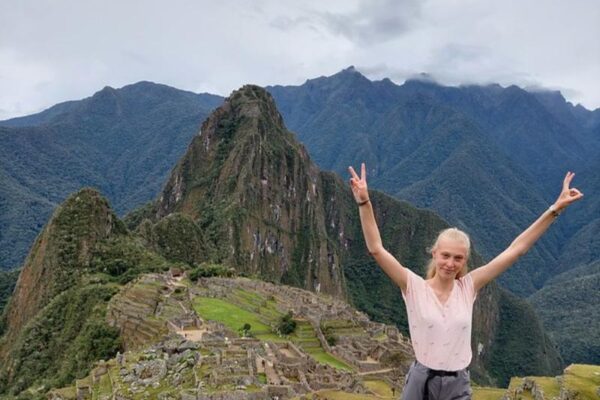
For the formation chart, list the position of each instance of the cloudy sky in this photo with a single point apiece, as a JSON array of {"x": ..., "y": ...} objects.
[{"x": 57, "y": 50}]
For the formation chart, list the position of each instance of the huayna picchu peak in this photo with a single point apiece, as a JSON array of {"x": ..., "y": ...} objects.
[{"x": 260, "y": 200}]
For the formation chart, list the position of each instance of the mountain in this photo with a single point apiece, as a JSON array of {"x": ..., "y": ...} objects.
[
  {"x": 488, "y": 159},
  {"x": 574, "y": 325},
  {"x": 58, "y": 254},
  {"x": 121, "y": 141},
  {"x": 48, "y": 293}
]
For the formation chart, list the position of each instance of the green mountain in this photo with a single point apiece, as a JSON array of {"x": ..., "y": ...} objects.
[
  {"x": 54, "y": 325},
  {"x": 575, "y": 325},
  {"x": 121, "y": 141}
]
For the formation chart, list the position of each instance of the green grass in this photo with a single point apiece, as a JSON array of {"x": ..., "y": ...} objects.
[
  {"x": 325, "y": 358},
  {"x": 488, "y": 393},
  {"x": 67, "y": 393},
  {"x": 379, "y": 388},
  {"x": 262, "y": 378},
  {"x": 578, "y": 378},
  {"x": 250, "y": 297},
  {"x": 104, "y": 386},
  {"x": 230, "y": 315},
  {"x": 337, "y": 395},
  {"x": 549, "y": 385},
  {"x": 584, "y": 379},
  {"x": 255, "y": 303}
]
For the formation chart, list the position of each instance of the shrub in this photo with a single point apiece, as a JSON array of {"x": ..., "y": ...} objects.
[
  {"x": 286, "y": 324},
  {"x": 329, "y": 335},
  {"x": 245, "y": 330},
  {"x": 209, "y": 270}
]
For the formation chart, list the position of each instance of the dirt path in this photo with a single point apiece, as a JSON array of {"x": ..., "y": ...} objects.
[
  {"x": 379, "y": 371},
  {"x": 192, "y": 334}
]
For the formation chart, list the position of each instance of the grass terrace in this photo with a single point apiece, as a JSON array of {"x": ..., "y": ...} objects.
[
  {"x": 339, "y": 395},
  {"x": 234, "y": 317},
  {"x": 488, "y": 393},
  {"x": 379, "y": 388},
  {"x": 584, "y": 379}
]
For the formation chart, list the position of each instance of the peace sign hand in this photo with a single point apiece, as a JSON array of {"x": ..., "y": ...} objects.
[
  {"x": 568, "y": 195},
  {"x": 359, "y": 185}
]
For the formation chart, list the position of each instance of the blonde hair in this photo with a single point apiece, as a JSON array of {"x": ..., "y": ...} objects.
[{"x": 453, "y": 234}]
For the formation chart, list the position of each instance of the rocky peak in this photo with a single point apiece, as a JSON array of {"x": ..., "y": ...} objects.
[
  {"x": 253, "y": 189},
  {"x": 60, "y": 254},
  {"x": 254, "y": 102}
]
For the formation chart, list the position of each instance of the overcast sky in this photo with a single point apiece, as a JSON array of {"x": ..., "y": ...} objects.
[{"x": 57, "y": 50}]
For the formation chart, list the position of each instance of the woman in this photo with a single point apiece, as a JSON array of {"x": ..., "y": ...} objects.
[{"x": 440, "y": 308}]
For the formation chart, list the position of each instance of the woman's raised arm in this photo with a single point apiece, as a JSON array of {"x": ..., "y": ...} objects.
[
  {"x": 386, "y": 261},
  {"x": 482, "y": 276}
]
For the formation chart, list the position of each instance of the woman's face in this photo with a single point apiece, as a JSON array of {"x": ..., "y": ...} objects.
[{"x": 450, "y": 257}]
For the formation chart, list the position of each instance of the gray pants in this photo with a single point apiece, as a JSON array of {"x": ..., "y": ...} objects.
[{"x": 448, "y": 387}]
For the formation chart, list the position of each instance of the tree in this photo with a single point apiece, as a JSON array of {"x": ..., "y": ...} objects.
[{"x": 286, "y": 324}]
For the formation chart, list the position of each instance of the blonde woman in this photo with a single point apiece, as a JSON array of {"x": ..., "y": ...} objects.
[{"x": 440, "y": 307}]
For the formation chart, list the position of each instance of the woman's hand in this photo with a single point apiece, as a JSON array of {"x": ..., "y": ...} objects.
[
  {"x": 359, "y": 185},
  {"x": 568, "y": 195}
]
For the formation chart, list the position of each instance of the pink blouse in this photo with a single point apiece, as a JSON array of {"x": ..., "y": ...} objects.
[{"x": 440, "y": 333}]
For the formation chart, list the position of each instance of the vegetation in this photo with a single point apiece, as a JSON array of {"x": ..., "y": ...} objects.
[
  {"x": 575, "y": 325},
  {"x": 63, "y": 341},
  {"x": 488, "y": 393},
  {"x": 230, "y": 315},
  {"x": 245, "y": 330},
  {"x": 123, "y": 257},
  {"x": 8, "y": 280},
  {"x": 122, "y": 141},
  {"x": 134, "y": 218},
  {"x": 205, "y": 270},
  {"x": 330, "y": 337},
  {"x": 286, "y": 324},
  {"x": 583, "y": 379},
  {"x": 177, "y": 237},
  {"x": 526, "y": 348}
]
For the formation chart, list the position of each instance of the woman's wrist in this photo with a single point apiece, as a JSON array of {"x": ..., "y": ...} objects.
[
  {"x": 555, "y": 210},
  {"x": 362, "y": 203}
]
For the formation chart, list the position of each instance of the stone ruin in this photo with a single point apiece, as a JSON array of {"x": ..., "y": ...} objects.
[{"x": 223, "y": 366}]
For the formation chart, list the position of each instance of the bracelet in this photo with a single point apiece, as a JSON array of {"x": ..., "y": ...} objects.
[
  {"x": 555, "y": 213},
  {"x": 362, "y": 203}
]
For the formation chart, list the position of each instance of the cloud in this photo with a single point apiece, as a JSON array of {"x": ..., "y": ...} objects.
[
  {"x": 52, "y": 51},
  {"x": 373, "y": 21}
]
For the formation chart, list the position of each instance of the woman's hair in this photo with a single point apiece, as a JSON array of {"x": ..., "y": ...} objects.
[{"x": 453, "y": 234}]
